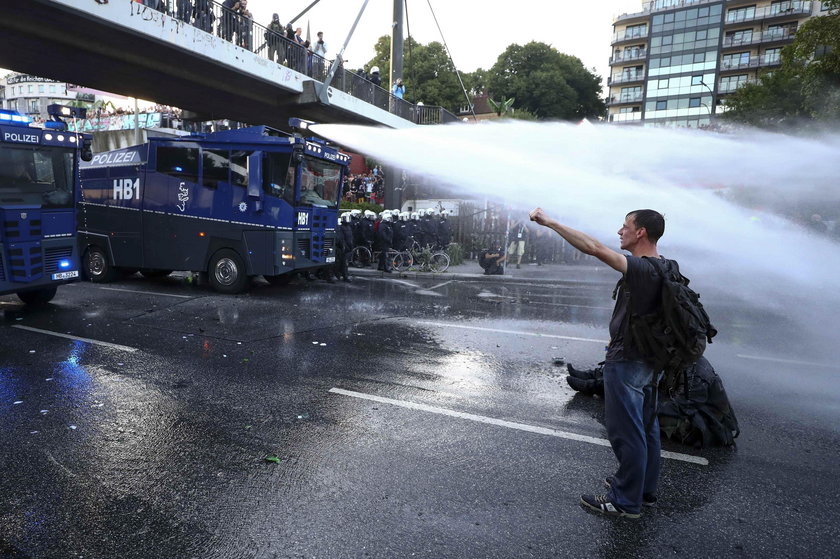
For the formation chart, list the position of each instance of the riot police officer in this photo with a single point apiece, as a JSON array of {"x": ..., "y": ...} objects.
[{"x": 385, "y": 239}]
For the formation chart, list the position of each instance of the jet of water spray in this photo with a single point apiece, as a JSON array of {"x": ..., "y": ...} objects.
[{"x": 590, "y": 177}]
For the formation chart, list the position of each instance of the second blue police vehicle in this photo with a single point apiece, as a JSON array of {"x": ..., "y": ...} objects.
[
  {"x": 232, "y": 205},
  {"x": 39, "y": 180}
]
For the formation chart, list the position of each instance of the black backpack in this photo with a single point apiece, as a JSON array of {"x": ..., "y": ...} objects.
[{"x": 674, "y": 338}]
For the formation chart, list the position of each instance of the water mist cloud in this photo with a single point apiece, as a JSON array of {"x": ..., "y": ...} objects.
[{"x": 590, "y": 176}]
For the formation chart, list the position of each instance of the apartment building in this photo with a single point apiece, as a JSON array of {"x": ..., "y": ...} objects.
[{"x": 674, "y": 63}]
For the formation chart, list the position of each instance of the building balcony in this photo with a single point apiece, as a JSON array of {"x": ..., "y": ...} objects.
[
  {"x": 773, "y": 36},
  {"x": 796, "y": 9},
  {"x": 763, "y": 61},
  {"x": 625, "y": 99},
  {"x": 626, "y": 77},
  {"x": 629, "y": 35},
  {"x": 655, "y": 6},
  {"x": 778, "y": 36},
  {"x": 724, "y": 89},
  {"x": 626, "y": 57},
  {"x": 635, "y": 116}
]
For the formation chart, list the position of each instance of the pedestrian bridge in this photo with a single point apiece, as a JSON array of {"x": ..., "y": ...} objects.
[{"x": 211, "y": 64}]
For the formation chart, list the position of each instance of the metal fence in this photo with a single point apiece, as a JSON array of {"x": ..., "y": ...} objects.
[{"x": 284, "y": 49}]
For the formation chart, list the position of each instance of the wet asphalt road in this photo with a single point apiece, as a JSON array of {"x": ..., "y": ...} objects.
[{"x": 319, "y": 420}]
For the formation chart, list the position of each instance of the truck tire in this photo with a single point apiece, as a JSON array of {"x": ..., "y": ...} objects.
[
  {"x": 97, "y": 268},
  {"x": 38, "y": 297},
  {"x": 227, "y": 272}
]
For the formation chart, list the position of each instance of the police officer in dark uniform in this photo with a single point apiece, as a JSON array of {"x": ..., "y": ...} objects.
[
  {"x": 429, "y": 228},
  {"x": 401, "y": 231},
  {"x": 444, "y": 233},
  {"x": 344, "y": 246},
  {"x": 385, "y": 239}
]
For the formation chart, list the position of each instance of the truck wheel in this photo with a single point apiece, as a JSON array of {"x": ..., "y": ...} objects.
[
  {"x": 96, "y": 266},
  {"x": 39, "y": 297},
  {"x": 154, "y": 273},
  {"x": 227, "y": 272}
]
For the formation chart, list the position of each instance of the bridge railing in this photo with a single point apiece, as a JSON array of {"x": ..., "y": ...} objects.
[{"x": 213, "y": 18}]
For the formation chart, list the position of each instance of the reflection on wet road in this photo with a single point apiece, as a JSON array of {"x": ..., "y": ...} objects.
[{"x": 386, "y": 417}]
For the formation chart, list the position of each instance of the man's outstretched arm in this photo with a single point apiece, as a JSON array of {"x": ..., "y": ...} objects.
[{"x": 582, "y": 241}]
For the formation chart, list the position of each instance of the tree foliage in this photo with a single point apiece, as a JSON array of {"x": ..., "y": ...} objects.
[
  {"x": 546, "y": 83},
  {"x": 805, "y": 88},
  {"x": 428, "y": 73}
]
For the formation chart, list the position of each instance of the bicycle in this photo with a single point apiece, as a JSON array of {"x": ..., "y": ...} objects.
[
  {"x": 428, "y": 259},
  {"x": 361, "y": 257}
]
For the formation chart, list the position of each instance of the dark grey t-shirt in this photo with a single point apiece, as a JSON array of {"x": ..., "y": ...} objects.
[{"x": 643, "y": 281}]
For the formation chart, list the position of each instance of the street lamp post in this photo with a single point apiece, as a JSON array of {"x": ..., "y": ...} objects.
[{"x": 712, "y": 93}]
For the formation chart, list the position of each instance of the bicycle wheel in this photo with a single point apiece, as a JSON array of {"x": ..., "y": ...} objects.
[
  {"x": 360, "y": 257},
  {"x": 439, "y": 262},
  {"x": 401, "y": 260}
]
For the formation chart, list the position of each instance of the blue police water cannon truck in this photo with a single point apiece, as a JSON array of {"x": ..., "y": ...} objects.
[
  {"x": 232, "y": 205},
  {"x": 39, "y": 181}
]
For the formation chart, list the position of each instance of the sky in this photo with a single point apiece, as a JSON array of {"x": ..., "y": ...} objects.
[{"x": 477, "y": 31}]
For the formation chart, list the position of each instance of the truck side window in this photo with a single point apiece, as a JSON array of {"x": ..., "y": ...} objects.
[
  {"x": 239, "y": 168},
  {"x": 276, "y": 181},
  {"x": 178, "y": 162},
  {"x": 216, "y": 167}
]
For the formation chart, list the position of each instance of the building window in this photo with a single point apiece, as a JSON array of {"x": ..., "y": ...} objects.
[
  {"x": 746, "y": 13},
  {"x": 771, "y": 56},
  {"x": 696, "y": 80},
  {"x": 779, "y": 7},
  {"x": 30, "y": 90},
  {"x": 41, "y": 88},
  {"x": 663, "y": 84},
  {"x": 52, "y": 89},
  {"x": 661, "y": 105},
  {"x": 694, "y": 102},
  {"x": 699, "y": 57}
]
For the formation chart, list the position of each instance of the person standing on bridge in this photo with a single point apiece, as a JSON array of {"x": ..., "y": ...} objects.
[
  {"x": 629, "y": 382},
  {"x": 228, "y": 18},
  {"x": 399, "y": 89},
  {"x": 274, "y": 40}
]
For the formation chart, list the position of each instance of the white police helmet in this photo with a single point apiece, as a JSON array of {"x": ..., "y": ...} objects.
[
  {"x": 369, "y": 214},
  {"x": 347, "y": 217},
  {"x": 356, "y": 213},
  {"x": 374, "y": 70},
  {"x": 415, "y": 215},
  {"x": 404, "y": 216}
]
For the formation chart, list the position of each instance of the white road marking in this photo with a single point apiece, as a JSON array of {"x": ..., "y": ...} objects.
[
  {"x": 790, "y": 361},
  {"x": 440, "y": 285},
  {"x": 145, "y": 292},
  {"x": 499, "y": 331},
  {"x": 78, "y": 338},
  {"x": 509, "y": 424}
]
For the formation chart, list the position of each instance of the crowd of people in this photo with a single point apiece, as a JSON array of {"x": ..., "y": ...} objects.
[
  {"x": 281, "y": 43},
  {"x": 390, "y": 229},
  {"x": 365, "y": 187}
]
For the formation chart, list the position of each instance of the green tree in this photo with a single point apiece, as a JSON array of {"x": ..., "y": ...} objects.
[
  {"x": 805, "y": 88},
  {"x": 546, "y": 83},
  {"x": 428, "y": 74}
]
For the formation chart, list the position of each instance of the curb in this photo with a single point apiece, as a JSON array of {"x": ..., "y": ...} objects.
[{"x": 368, "y": 272}]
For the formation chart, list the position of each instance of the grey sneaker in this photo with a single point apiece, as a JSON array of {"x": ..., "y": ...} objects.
[
  {"x": 601, "y": 504},
  {"x": 648, "y": 499}
]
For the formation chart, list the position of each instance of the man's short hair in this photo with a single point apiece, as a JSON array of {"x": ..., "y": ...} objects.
[{"x": 652, "y": 221}]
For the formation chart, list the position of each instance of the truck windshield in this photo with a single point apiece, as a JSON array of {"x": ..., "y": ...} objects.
[
  {"x": 319, "y": 183},
  {"x": 37, "y": 176}
]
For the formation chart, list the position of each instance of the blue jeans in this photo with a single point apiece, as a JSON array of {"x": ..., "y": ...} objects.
[{"x": 633, "y": 431}]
